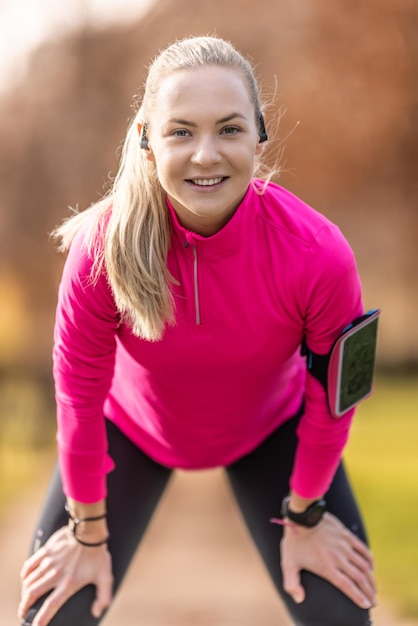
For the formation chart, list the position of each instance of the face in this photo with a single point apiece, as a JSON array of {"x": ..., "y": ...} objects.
[{"x": 204, "y": 140}]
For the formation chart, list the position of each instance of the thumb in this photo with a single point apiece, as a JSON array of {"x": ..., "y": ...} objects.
[
  {"x": 103, "y": 596},
  {"x": 292, "y": 584}
]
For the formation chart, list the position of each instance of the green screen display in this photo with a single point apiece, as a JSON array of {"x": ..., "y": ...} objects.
[{"x": 357, "y": 367}]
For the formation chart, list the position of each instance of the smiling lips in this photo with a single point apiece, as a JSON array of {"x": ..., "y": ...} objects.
[{"x": 207, "y": 182}]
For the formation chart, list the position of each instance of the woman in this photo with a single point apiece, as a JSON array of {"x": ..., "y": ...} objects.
[{"x": 183, "y": 304}]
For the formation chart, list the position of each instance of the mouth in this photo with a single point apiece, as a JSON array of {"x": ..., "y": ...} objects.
[{"x": 207, "y": 182}]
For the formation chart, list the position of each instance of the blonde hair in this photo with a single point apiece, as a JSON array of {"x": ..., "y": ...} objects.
[{"x": 129, "y": 231}]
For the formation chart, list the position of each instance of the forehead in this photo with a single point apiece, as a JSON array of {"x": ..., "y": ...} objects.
[{"x": 205, "y": 89}]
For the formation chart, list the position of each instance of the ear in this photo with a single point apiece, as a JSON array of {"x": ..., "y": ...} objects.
[
  {"x": 149, "y": 155},
  {"x": 259, "y": 148}
]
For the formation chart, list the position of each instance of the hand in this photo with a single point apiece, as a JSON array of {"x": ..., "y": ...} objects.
[
  {"x": 64, "y": 566},
  {"x": 333, "y": 552}
]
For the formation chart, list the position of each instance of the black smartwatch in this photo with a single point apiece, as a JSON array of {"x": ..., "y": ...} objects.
[{"x": 309, "y": 518}]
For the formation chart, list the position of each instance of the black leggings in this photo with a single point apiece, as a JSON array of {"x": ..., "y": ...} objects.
[{"x": 259, "y": 482}]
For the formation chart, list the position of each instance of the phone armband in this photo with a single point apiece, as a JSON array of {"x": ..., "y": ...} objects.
[{"x": 347, "y": 371}]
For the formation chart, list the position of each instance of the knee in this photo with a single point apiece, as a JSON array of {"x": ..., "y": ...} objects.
[
  {"x": 325, "y": 605},
  {"x": 77, "y": 610},
  {"x": 329, "y": 615}
]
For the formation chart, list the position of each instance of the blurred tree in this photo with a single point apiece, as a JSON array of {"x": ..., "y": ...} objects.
[{"x": 345, "y": 70}]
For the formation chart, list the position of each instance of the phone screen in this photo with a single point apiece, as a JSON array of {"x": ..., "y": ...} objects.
[{"x": 357, "y": 365}]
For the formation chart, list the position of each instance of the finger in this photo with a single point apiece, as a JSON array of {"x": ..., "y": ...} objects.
[
  {"x": 357, "y": 543},
  {"x": 364, "y": 567},
  {"x": 362, "y": 549},
  {"x": 372, "y": 583},
  {"x": 43, "y": 569},
  {"x": 292, "y": 584},
  {"x": 359, "y": 569},
  {"x": 32, "y": 563},
  {"x": 31, "y": 593},
  {"x": 360, "y": 557},
  {"x": 345, "y": 584},
  {"x": 363, "y": 582},
  {"x": 51, "y": 606},
  {"x": 103, "y": 595}
]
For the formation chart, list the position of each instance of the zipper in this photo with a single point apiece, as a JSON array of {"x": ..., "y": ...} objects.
[
  {"x": 196, "y": 287},
  {"x": 195, "y": 283}
]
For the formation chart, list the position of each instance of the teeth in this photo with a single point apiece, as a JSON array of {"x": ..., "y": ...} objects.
[{"x": 206, "y": 182}]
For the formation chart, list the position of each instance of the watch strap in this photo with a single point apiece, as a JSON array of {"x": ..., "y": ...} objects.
[{"x": 310, "y": 517}]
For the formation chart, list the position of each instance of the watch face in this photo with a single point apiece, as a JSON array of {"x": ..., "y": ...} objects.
[
  {"x": 309, "y": 518},
  {"x": 315, "y": 514}
]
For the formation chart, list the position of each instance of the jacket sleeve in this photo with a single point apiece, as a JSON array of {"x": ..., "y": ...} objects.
[
  {"x": 332, "y": 299},
  {"x": 83, "y": 362}
]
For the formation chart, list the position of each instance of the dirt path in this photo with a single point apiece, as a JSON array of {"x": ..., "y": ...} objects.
[{"x": 196, "y": 566}]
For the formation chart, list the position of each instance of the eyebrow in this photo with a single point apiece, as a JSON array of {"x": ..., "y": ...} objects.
[{"x": 223, "y": 120}]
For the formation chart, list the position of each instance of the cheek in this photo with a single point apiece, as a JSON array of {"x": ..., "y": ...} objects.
[
  {"x": 246, "y": 156},
  {"x": 169, "y": 175},
  {"x": 247, "y": 164},
  {"x": 162, "y": 167},
  {"x": 166, "y": 165}
]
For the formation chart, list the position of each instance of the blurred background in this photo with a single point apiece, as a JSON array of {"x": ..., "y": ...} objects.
[{"x": 342, "y": 79}]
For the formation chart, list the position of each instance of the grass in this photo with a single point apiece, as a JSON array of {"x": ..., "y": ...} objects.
[
  {"x": 20, "y": 466},
  {"x": 26, "y": 435},
  {"x": 382, "y": 461}
]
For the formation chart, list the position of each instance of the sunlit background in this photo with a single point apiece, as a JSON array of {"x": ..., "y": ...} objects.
[
  {"x": 342, "y": 79},
  {"x": 26, "y": 24}
]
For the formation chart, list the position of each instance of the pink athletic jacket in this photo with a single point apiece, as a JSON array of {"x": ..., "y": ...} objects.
[{"x": 230, "y": 371}]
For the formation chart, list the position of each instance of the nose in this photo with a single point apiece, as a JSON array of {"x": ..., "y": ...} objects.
[{"x": 206, "y": 151}]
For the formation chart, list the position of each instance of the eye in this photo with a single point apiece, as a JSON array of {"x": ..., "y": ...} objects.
[
  {"x": 230, "y": 130},
  {"x": 180, "y": 132}
]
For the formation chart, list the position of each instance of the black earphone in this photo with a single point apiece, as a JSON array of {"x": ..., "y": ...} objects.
[
  {"x": 262, "y": 129},
  {"x": 143, "y": 139}
]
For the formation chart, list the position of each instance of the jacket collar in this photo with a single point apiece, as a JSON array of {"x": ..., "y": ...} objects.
[{"x": 231, "y": 236}]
